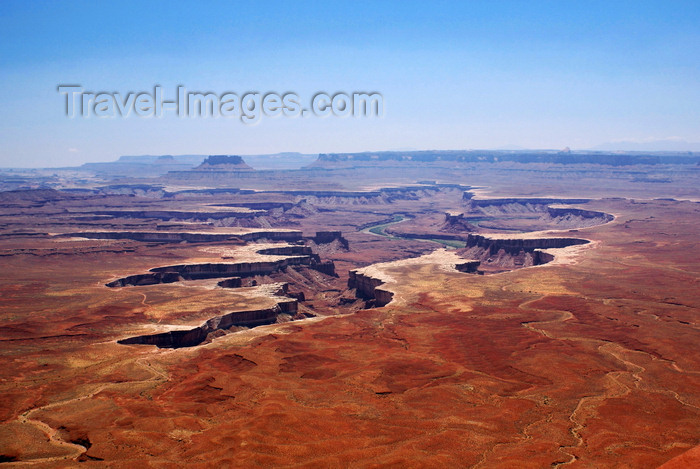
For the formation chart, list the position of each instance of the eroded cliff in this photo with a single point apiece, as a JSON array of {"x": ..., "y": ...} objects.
[{"x": 198, "y": 335}]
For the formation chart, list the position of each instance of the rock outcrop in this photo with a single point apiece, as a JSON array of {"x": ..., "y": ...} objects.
[
  {"x": 368, "y": 289},
  {"x": 233, "y": 282},
  {"x": 577, "y": 218},
  {"x": 297, "y": 256},
  {"x": 456, "y": 223},
  {"x": 223, "y": 163},
  {"x": 192, "y": 337},
  {"x": 146, "y": 279},
  {"x": 501, "y": 254},
  {"x": 515, "y": 245},
  {"x": 522, "y": 214},
  {"x": 200, "y": 215},
  {"x": 469, "y": 267},
  {"x": 237, "y": 269},
  {"x": 504, "y": 206},
  {"x": 286, "y": 251},
  {"x": 327, "y": 237}
]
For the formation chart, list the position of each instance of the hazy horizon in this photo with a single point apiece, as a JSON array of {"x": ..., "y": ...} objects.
[{"x": 472, "y": 75}]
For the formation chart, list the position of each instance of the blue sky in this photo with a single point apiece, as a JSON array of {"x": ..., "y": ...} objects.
[{"x": 454, "y": 75}]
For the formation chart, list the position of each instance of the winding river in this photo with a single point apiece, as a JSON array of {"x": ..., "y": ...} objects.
[{"x": 379, "y": 230}]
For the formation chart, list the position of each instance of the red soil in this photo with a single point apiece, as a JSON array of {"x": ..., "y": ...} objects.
[{"x": 587, "y": 364}]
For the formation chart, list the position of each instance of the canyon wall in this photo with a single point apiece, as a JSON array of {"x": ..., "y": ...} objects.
[
  {"x": 146, "y": 279},
  {"x": 585, "y": 215},
  {"x": 367, "y": 288},
  {"x": 300, "y": 256},
  {"x": 178, "y": 214},
  {"x": 192, "y": 337},
  {"x": 515, "y": 245},
  {"x": 468, "y": 196},
  {"x": 190, "y": 237},
  {"x": 238, "y": 269},
  {"x": 327, "y": 237},
  {"x": 233, "y": 282},
  {"x": 499, "y": 255}
]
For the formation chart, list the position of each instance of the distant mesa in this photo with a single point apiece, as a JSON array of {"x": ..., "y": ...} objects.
[
  {"x": 224, "y": 163},
  {"x": 449, "y": 158}
]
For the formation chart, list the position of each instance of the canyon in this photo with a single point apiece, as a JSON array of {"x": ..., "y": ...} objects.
[{"x": 441, "y": 309}]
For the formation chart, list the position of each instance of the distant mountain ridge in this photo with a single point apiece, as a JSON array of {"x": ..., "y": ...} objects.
[
  {"x": 665, "y": 145},
  {"x": 282, "y": 160},
  {"x": 334, "y": 160}
]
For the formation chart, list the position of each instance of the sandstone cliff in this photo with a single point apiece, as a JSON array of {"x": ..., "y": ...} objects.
[
  {"x": 192, "y": 337},
  {"x": 368, "y": 288}
]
